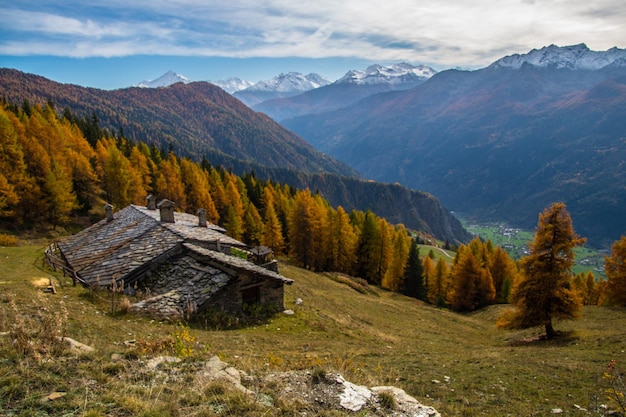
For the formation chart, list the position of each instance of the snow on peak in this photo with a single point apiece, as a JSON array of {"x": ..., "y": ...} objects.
[
  {"x": 573, "y": 57},
  {"x": 389, "y": 74},
  {"x": 233, "y": 84},
  {"x": 164, "y": 80},
  {"x": 290, "y": 82}
]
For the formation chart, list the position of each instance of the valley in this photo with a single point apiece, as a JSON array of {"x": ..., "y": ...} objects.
[{"x": 515, "y": 240}]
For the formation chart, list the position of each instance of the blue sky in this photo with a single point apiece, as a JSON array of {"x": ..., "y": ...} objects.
[{"x": 118, "y": 43}]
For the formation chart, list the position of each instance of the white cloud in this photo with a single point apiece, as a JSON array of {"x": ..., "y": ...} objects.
[{"x": 454, "y": 32}]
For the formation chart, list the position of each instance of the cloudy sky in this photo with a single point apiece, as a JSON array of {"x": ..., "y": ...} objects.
[{"x": 118, "y": 43}]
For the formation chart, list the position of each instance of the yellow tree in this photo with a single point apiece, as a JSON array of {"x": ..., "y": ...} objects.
[
  {"x": 272, "y": 235},
  {"x": 616, "y": 272},
  {"x": 114, "y": 172},
  {"x": 12, "y": 166},
  {"x": 543, "y": 292},
  {"x": 301, "y": 224},
  {"x": 174, "y": 189},
  {"x": 233, "y": 224},
  {"x": 428, "y": 271},
  {"x": 438, "y": 285},
  {"x": 343, "y": 242},
  {"x": 503, "y": 271},
  {"x": 196, "y": 183},
  {"x": 472, "y": 285},
  {"x": 252, "y": 226},
  {"x": 393, "y": 276},
  {"x": 60, "y": 196}
]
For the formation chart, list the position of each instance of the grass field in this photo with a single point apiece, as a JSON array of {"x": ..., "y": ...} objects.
[{"x": 460, "y": 364}]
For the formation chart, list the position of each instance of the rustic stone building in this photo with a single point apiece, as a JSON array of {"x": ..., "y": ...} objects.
[{"x": 183, "y": 262}]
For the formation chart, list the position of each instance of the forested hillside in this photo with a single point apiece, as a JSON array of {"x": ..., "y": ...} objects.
[
  {"x": 201, "y": 122},
  {"x": 50, "y": 174},
  {"x": 196, "y": 119}
]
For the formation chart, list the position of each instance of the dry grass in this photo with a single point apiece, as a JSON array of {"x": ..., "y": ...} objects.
[{"x": 460, "y": 364}]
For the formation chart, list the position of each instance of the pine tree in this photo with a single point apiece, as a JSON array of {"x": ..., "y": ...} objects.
[
  {"x": 413, "y": 283},
  {"x": 616, "y": 272},
  {"x": 543, "y": 292},
  {"x": 369, "y": 249}
]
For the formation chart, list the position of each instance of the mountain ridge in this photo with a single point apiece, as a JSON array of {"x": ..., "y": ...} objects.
[
  {"x": 283, "y": 85},
  {"x": 352, "y": 87},
  {"x": 496, "y": 143},
  {"x": 174, "y": 115}
]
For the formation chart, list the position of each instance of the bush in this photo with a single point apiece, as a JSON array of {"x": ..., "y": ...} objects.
[{"x": 8, "y": 240}]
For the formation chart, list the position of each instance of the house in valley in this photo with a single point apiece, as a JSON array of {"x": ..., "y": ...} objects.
[{"x": 183, "y": 263}]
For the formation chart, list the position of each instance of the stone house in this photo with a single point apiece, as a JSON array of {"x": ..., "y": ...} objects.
[{"x": 182, "y": 263}]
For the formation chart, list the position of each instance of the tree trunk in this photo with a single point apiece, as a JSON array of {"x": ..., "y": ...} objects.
[{"x": 549, "y": 329}]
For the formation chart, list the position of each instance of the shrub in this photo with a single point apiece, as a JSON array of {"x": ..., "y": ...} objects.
[{"x": 8, "y": 240}]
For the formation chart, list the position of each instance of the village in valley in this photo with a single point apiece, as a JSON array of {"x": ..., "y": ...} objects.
[{"x": 515, "y": 241}]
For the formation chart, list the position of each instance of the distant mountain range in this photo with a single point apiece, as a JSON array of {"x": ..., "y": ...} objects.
[
  {"x": 499, "y": 143},
  {"x": 284, "y": 85},
  {"x": 274, "y": 96},
  {"x": 349, "y": 89},
  {"x": 202, "y": 120}
]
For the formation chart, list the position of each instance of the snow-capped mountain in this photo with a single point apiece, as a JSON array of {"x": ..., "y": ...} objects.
[
  {"x": 352, "y": 87},
  {"x": 283, "y": 85},
  {"x": 291, "y": 82},
  {"x": 232, "y": 85},
  {"x": 164, "y": 80},
  {"x": 578, "y": 57},
  {"x": 388, "y": 74}
]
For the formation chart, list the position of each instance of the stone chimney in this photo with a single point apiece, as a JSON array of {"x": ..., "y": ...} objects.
[
  {"x": 151, "y": 202},
  {"x": 202, "y": 217},
  {"x": 108, "y": 209},
  {"x": 166, "y": 208}
]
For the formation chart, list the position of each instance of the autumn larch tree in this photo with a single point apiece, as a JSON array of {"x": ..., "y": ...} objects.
[
  {"x": 615, "y": 266},
  {"x": 543, "y": 291}
]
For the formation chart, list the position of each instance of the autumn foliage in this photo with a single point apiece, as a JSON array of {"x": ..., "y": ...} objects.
[{"x": 544, "y": 292}]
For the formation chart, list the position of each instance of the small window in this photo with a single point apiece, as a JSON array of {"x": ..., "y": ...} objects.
[{"x": 251, "y": 296}]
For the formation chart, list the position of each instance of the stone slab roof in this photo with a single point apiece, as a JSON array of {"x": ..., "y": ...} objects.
[
  {"x": 133, "y": 240},
  {"x": 236, "y": 263}
]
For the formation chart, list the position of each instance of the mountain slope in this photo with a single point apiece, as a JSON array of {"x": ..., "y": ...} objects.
[
  {"x": 502, "y": 142},
  {"x": 349, "y": 89},
  {"x": 198, "y": 119}
]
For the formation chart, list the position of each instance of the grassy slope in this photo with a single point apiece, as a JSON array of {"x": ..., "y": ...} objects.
[{"x": 379, "y": 338}]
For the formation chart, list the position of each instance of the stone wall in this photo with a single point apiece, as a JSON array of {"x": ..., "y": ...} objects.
[{"x": 189, "y": 283}]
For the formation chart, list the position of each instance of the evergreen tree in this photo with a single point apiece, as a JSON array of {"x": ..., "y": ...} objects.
[
  {"x": 616, "y": 272},
  {"x": 369, "y": 249},
  {"x": 543, "y": 292},
  {"x": 413, "y": 283}
]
